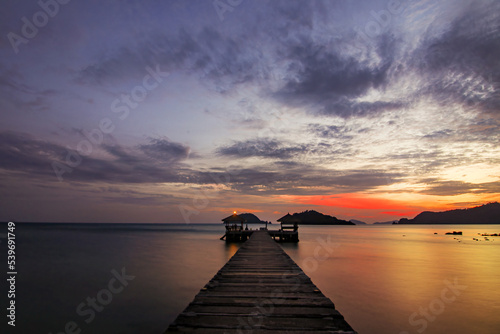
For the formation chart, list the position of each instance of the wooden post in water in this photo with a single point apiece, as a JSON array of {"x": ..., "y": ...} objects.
[{"x": 260, "y": 290}]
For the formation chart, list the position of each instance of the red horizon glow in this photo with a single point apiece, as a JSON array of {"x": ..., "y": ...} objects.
[{"x": 365, "y": 205}]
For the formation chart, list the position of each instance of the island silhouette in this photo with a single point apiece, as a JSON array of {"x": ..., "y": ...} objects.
[
  {"x": 484, "y": 214},
  {"x": 308, "y": 217}
]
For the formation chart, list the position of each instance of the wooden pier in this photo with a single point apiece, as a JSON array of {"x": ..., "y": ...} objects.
[
  {"x": 260, "y": 290},
  {"x": 242, "y": 235},
  {"x": 288, "y": 232}
]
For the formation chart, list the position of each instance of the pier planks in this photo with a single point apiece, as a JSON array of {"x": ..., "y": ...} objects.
[{"x": 260, "y": 290}]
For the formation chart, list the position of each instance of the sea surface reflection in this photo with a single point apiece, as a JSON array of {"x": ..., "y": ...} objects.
[
  {"x": 406, "y": 279},
  {"x": 383, "y": 279}
]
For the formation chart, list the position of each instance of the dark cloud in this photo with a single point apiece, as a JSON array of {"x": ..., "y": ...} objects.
[
  {"x": 311, "y": 73},
  {"x": 24, "y": 97},
  {"x": 20, "y": 153},
  {"x": 278, "y": 51},
  {"x": 164, "y": 150},
  {"x": 319, "y": 76},
  {"x": 364, "y": 179},
  {"x": 330, "y": 80},
  {"x": 427, "y": 158},
  {"x": 120, "y": 155},
  {"x": 302, "y": 178},
  {"x": 183, "y": 51},
  {"x": 451, "y": 188},
  {"x": 347, "y": 108},
  {"x": 461, "y": 65},
  {"x": 331, "y": 131},
  {"x": 126, "y": 167},
  {"x": 284, "y": 153},
  {"x": 484, "y": 129},
  {"x": 12, "y": 81},
  {"x": 239, "y": 177},
  {"x": 224, "y": 61},
  {"x": 266, "y": 148},
  {"x": 26, "y": 156},
  {"x": 23, "y": 154},
  {"x": 122, "y": 64},
  {"x": 439, "y": 134}
]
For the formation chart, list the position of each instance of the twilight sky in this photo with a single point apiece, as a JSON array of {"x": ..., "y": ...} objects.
[{"x": 183, "y": 111}]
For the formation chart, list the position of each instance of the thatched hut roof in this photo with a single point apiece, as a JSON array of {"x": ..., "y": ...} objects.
[
  {"x": 234, "y": 218},
  {"x": 289, "y": 219}
]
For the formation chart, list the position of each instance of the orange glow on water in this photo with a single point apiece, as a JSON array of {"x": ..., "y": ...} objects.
[{"x": 404, "y": 269}]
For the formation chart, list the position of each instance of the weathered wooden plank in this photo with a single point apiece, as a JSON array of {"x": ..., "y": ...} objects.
[
  {"x": 259, "y": 321},
  {"x": 260, "y": 290},
  {"x": 252, "y": 301},
  {"x": 285, "y": 310}
]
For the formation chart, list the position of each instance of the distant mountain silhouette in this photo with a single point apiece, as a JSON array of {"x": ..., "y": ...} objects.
[
  {"x": 357, "y": 222},
  {"x": 251, "y": 218},
  {"x": 311, "y": 217},
  {"x": 484, "y": 214}
]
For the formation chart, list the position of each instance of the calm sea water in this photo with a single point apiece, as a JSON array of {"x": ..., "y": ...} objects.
[{"x": 383, "y": 279}]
